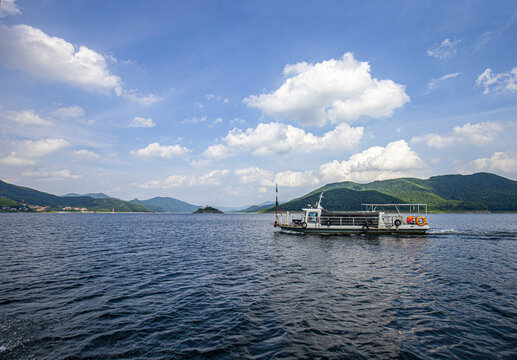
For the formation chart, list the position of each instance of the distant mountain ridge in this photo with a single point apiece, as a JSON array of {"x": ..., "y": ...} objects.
[
  {"x": 92, "y": 195},
  {"x": 476, "y": 192},
  {"x": 34, "y": 197},
  {"x": 480, "y": 191},
  {"x": 258, "y": 207},
  {"x": 166, "y": 204}
]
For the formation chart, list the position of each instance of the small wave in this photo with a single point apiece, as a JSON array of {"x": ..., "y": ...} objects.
[
  {"x": 3, "y": 348},
  {"x": 443, "y": 231}
]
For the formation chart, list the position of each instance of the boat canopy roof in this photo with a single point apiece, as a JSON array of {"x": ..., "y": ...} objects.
[
  {"x": 412, "y": 208},
  {"x": 394, "y": 204}
]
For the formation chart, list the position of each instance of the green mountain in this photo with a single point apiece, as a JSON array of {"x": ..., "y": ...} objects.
[
  {"x": 481, "y": 191},
  {"x": 166, "y": 204},
  {"x": 493, "y": 192},
  {"x": 35, "y": 197},
  {"x": 92, "y": 195}
]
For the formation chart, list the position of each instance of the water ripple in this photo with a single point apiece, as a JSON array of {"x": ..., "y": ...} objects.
[{"x": 161, "y": 286}]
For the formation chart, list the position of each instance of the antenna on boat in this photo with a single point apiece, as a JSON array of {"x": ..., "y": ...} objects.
[{"x": 318, "y": 206}]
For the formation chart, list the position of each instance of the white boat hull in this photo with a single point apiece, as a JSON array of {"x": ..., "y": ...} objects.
[{"x": 351, "y": 230}]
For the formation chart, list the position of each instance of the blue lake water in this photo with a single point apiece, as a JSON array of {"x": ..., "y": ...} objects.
[{"x": 167, "y": 286}]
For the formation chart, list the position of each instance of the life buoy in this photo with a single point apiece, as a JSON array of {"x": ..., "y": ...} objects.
[
  {"x": 398, "y": 222},
  {"x": 304, "y": 224},
  {"x": 421, "y": 221}
]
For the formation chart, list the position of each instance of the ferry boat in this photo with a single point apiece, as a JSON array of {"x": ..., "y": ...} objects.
[{"x": 408, "y": 219}]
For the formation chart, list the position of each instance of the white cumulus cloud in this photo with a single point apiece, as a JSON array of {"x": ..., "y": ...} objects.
[
  {"x": 142, "y": 122},
  {"x": 499, "y": 161},
  {"x": 163, "y": 151},
  {"x": 296, "y": 178},
  {"x": 476, "y": 134},
  {"x": 87, "y": 154},
  {"x": 375, "y": 163},
  {"x": 330, "y": 91},
  {"x": 37, "y": 148},
  {"x": 8, "y": 7},
  {"x": 278, "y": 138},
  {"x": 27, "y": 150},
  {"x": 30, "y": 50},
  {"x": 51, "y": 58},
  {"x": 504, "y": 82},
  {"x": 26, "y": 117},
  {"x": 445, "y": 49},
  {"x": 213, "y": 177}
]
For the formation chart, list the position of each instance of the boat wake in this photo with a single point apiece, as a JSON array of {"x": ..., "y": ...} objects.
[
  {"x": 476, "y": 235},
  {"x": 442, "y": 231}
]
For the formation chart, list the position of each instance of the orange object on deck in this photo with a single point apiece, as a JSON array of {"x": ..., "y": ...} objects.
[
  {"x": 421, "y": 221},
  {"x": 410, "y": 219}
]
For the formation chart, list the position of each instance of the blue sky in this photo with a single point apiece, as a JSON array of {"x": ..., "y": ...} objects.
[{"x": 213, "y": 102}]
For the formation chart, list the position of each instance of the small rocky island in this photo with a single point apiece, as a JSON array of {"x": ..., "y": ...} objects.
[{"x": 208, "y": 210}]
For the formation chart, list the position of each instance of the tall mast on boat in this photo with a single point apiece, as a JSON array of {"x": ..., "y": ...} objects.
[{"x": 276, "y": 204}]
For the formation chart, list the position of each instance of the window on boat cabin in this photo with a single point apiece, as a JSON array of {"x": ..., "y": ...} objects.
[{"x": 313, "y": 216}]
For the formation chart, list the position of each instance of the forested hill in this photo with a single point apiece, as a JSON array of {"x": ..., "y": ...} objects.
[
  {"x": 35, "y": 197},
  {"x": 166, "y": 204},
  {"x": 476, "y": 192}
]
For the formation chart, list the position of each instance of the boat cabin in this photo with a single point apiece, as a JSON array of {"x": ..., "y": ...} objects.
[{"x": 339, "y": 218}]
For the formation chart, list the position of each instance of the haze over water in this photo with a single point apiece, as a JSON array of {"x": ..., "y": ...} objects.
[{"x": 161, "y": 286}]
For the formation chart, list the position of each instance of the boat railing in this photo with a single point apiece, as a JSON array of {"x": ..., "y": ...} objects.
[
  {"x": 349, "y": 221},
  {"x": 388, "y": 219},
  {"x": 290, "y": 218}
]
